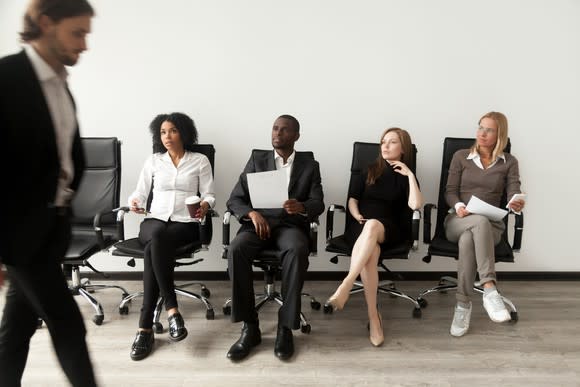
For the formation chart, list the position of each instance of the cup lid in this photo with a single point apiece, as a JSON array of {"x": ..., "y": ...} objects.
[{"x": 192, "y": 199}]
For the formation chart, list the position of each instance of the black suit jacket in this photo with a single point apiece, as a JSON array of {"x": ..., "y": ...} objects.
[
  {"x": 29, "y": 163},
  {"x": 305, "y": 186}
]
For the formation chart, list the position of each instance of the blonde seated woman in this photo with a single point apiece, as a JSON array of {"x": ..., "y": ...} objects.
[
  {"x": 486, "y": 172},
  {"x": 379, "y": 203}
]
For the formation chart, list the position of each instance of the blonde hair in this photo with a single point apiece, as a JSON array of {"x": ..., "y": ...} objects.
[
  {"x": 377, "y": 168},
  {"x": 502, "y": 134}
]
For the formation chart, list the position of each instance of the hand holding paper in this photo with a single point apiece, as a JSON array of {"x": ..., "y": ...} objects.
[{"x": 517, "y": 202}]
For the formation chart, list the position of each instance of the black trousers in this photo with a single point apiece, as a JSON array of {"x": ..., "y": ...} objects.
[
  {"x": 41, "y": 291},
  {"x": 293, "y": 244},
  {"x": 161, "y": 239}
]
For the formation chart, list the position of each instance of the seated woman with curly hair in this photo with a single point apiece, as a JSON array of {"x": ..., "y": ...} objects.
[{"x": 175, "y": 172}]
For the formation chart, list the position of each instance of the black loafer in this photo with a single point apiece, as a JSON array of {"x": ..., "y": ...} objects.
[
  {"x": 142, "y": 345},
  {"x": 177, "y": 329},
  {"x": 284, "y": 346},
  {"x": 251, "y": 336}
]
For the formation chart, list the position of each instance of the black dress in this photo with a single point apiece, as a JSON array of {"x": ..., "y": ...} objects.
[{"x": 386, "y": 201}]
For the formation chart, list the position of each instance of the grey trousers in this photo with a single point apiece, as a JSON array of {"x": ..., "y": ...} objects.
[{"x": 476, "y": 237}]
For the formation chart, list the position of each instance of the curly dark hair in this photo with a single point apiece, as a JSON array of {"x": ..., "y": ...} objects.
[{"x": 185, "y": 126}]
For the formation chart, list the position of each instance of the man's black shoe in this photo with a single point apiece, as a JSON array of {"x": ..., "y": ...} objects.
[
  {"x": 142, "y": 345},
  {"x": 284, "y": 346},
  {"x": 251, "y": 336},
  {"x": 177, "y": 329}
]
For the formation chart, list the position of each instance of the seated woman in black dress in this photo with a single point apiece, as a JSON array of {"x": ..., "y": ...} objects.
[
  {"x": 379, "y": 203},
  {"x": 175, "y": 172}
]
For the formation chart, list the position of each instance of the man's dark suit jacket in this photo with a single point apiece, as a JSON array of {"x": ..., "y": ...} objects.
[
  {"x": 305, "y": 186},
  {"x": 29, "y": 163}
]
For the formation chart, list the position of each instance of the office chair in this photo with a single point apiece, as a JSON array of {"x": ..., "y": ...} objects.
[
  {"x": 93, "y": 223},
  {"x": 363, "y": 155},
  {"x": 440, "y": 246},
  {"x": 184, "y": 255},
  {"x": 269, "y": 260}
]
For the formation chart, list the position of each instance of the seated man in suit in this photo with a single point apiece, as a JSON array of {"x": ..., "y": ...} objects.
[{"x": 285, "y": 229}]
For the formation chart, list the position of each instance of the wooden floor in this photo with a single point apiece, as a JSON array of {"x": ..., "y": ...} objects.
[{"x": 542, "y": 349}]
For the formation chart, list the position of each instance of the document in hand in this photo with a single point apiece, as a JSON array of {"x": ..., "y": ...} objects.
[
  {"x": 520, "y": 196},
  {"x": 478, "y": 206},
  {"x": 268, "y": 189}
]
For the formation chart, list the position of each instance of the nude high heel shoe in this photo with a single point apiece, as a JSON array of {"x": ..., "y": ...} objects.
[
  {"x": 377, "y": 341},
  {"x": 339, "y": 298}
]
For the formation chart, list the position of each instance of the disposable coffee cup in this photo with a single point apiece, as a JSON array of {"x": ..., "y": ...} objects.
[{"x": 192, "y": 203}]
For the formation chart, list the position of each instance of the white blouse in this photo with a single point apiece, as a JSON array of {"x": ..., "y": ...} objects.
[{"x": 171, "y": 185}]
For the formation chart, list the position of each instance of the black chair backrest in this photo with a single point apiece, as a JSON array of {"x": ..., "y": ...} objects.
[
  {"x": 100, "y": 188},
  {"x": 450, "y": 146},
  {"x": 364, "y": 154},
  {"x": 206, "y": 230}
]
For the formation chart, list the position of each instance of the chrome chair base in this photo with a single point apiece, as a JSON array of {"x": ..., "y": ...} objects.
[{"x": 83, "y": 287}]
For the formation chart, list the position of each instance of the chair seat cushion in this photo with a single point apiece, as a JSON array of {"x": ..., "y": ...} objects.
[
  {"x": 442, "y": 247},
  {"x": 133, "y": 248},
  {"x": 339, "y": 245},
  {"x": 84, "y": 243}
]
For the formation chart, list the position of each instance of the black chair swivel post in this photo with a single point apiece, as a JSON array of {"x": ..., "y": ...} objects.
[
  {"x": 364, "y": 154},
  {"x": 440, "y": 246},
  {"x": 184, "y": 255},
  {"x": 269, "y": 260},
  {"x": 93, "y": 224}
]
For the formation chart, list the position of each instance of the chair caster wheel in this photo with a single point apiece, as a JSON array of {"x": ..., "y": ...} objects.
[
  {"x": 124, "y": 310},
  {"x": 328, "y": 309},
  {"x": 98, "y": 319},
  {"x": 514, "y": 316},
  {"x": 422, "y": 302},
  {"x": 417, "y": 313},
  {"x": 39, "y": 323},
  {"x": 205, "y": 292},
  {"x": 157, "y": 327},
  {"x": 209, "y": 315},
  {"x": 306, "y": 329},
  {"x": 315, "y": 305},
  {"x": 227, "y": 310}
]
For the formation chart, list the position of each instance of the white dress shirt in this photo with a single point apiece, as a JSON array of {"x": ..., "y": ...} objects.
[
  {"x": 173, "y": 184},
  {"x": 286, "y": 167},
  {"x": 62, "y": 112}
]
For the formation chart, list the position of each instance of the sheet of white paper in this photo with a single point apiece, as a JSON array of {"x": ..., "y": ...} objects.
[
  {"x": 268, "y": 189},
  {"x": 478, "y": 206}
]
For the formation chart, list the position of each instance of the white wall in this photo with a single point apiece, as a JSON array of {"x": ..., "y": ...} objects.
[{"x": 346, "y": 70}]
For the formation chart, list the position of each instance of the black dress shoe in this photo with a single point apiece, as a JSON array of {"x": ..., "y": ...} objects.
[
  {"x": 284, "y": 346},
  {"x": 177, "y": 330},
  {"x": 142, "y": 345},
  {"x": 251, "y": 336}
]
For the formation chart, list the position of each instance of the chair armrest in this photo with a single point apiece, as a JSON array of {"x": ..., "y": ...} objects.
[
  {"x": 314, "y": 239},
  {"x": 330, "y": 219},
  {"x": 518, "y": 231},
  {"x": 99, "y": 230},
  {"x": 415, "y": 228},
  {"x": 427, "y": 222},
  {"x": 121, "y": 211},
  {"x": 226, "y": 228}
]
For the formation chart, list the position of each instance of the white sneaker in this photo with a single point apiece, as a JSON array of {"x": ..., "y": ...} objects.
[
  {"x": 461, "y": 319},
  {"x": 495, "y": 308}
]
